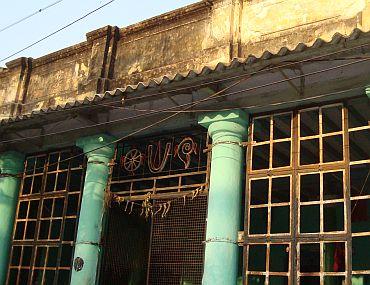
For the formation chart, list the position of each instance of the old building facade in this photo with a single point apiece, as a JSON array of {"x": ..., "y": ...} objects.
[{"x": 226, "y": 142}]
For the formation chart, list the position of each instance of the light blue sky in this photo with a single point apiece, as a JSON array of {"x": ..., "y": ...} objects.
[{"x": 119, "y": 13}]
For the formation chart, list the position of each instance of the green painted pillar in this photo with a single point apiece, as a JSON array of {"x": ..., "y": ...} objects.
[
  {"x": 11, "y": 163},
  {"x": 90, "y": 224},
  {"x": 227, "y": 130}
]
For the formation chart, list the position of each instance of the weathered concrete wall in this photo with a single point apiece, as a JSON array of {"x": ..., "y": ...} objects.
[
  {"x": 271, "y": 24},
  {"x": 202, "y": 34}
]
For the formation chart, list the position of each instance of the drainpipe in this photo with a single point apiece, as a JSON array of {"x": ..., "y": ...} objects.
[
  {"x": 90, "y": 224},
  {"x": 11, "y": 163},
  {"x": 227, "y": 130}
]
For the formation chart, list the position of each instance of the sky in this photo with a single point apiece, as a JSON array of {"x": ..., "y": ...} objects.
[{"x": 119, "y": 13}]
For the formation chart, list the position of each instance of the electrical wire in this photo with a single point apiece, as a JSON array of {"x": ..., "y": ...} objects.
[
  {"x": 57, "y": 31},
  {"x": 141, "y": 129},
  {"x": 29, "y": 16},
  {"x": 217, "y": 95},
  {"x": 223, "y": 79}
]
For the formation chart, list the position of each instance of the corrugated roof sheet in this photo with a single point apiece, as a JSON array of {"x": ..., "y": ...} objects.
[{"x": 165, "y": 80}]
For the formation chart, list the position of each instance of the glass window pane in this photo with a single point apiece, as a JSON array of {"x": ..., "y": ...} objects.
[
  {"x": 334, "y": 280},
  {"x": 27, "y": 185},
  {"x": 280, "y": 191},
  {"x": 310, "y": 219},
  {"x": 52, "y": 257},
  {"x": 256, "y": 279},
  {"x": 360, "y": 179},
  {"x": 332, "y": 148},
  {"x": 259, "y": 191},
  {"x": 40, "y": 164},
  {"x": 16, "y": 255},
  {"x": 72, "y": 206},
  {"x": 63, "y": 277},
  {"x": 44, "y": 229},
  {"x": 358, "y": 279},
  {"x": 333, "y": 185},
  {"x": 261, "y": 129},
  {"x": 40, "y": 256},
  {"x": 69, "y": 229},
  {"x": 279, "y": 258},
  {"x": 309, "y": 257},
  {"x": 75, "y": 180},
  {"x": 30, "y": 231},
  {"x": 333, "y": 217},
  {"x": 55, "y": 229},
  {"x": 258, "y": 221},
  {"x": 282, "y": 126},
  {"x": 61, "y": 181},
  {"x": 23, "y": 208},
  {"x": 257, "y": 257},
  {"x": 49, "y": 276},
  {"x": 309, "y": 123},
  {"x": 30, "y": 165},
  {"x": 334, "y": 257},
  {"x": 360, "y": 253},
  {"x": 58, "y": 207},
  {"x": 19, "y": 230},
  {"x": 331, "y": 119},
  {"x": 261, "y": 156},
  {"x": 53, "y": 161},
  {"x": 281, "y": 154},
  {"x": 37, "y": 276},
  {"x": 310, "y": 187},
  {"x": 34, "y": 207},
  {"x": 66, "y": 257},
  {"x": 23, "y": 276},
  {"x": 280, "y": 219},
  {"x": 26, "y": 258},
  {"x": 47, "y": 206},
  {"x": 50, "y": 182},
  {"x": 358, "y": 112},
  {"x": 360, "y": 215},
  {"x": 359, "y": 142},
  {"x": 37, "y": 184},
  {"x": 309, "y": 152}
]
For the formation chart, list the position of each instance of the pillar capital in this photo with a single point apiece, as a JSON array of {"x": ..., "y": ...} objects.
[
  {"x": 231, "y": 123},
  {"x": 11, "y": 162},
  {"x": 97, "y": 146}
]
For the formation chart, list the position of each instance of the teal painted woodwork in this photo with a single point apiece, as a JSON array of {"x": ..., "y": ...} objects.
[
  {"x": 227, "y": 130},
  {"x": 92, "y": 207},
  {"x": 11, "y": 163}
]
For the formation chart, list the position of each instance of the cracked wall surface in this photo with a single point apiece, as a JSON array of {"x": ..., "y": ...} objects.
[{"x": 202, "y": 34}]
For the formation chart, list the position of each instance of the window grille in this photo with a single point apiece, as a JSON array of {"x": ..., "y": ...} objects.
[
  {"x": 46, "y": 219},
  {"x": 307, "y": 218}
]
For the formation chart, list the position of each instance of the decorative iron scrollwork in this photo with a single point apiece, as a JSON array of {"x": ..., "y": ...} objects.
[
  {"x": 158, "y": 162},
  {"x": 132, "y": 160},
  {"x": 185, "y": 149}
]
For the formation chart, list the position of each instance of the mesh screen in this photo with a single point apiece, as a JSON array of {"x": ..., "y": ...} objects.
[
  {"x": 126, "y": 248},
  {"x": 176, "y": 255},
  {"x": 176, "y": 249}
]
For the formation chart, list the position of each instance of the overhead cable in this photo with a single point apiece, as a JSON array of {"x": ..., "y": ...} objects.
[
  {"x": 29, "y": 16},
  {"x": 57, "y": 31}
]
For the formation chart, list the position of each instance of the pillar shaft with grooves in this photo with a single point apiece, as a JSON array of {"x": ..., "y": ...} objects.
[
  {"x": 227, "y": 130},
  {"x": 11, "y": 163},
  {"x": 87, "y": 248}
]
